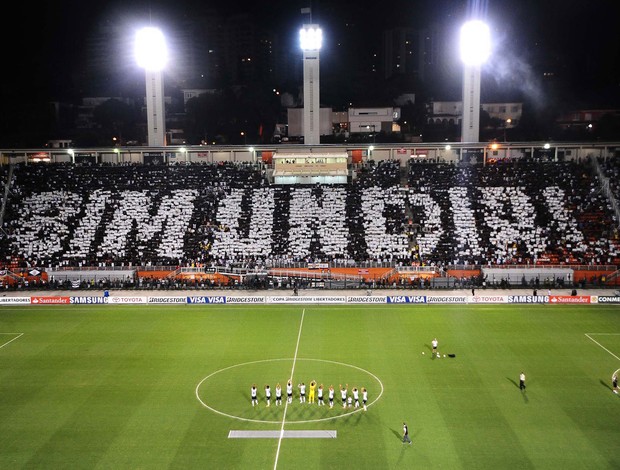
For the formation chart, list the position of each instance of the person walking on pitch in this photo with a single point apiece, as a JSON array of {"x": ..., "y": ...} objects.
[{"x": 406, "y": 434}]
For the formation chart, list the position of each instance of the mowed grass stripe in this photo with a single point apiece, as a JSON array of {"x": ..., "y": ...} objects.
[{"x": 113, "y": 387}]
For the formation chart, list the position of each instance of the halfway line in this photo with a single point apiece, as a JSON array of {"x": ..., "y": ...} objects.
[{"x": 301, "y": 324}]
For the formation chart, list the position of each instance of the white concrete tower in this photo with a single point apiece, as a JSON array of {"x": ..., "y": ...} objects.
[
  {"x": 475, "y": 50},
  {"x": 311, "y": 38},
  {"x": 152, "y": 55}
]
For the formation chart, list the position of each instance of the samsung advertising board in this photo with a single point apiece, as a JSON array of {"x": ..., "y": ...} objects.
[
  {"x": 88, "y": 300},
  {"x": 528, "y": 299}
]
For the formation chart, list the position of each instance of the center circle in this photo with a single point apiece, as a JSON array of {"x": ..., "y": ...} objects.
[{"x": 227, "y": 391}]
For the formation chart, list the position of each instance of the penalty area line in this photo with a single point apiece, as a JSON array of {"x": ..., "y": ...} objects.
[
  {"x": 19, "y": 335},
  {"x": 600, "y": 345}
]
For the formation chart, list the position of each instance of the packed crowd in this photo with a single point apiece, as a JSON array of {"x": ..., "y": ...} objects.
[{"x": 227, "y": 215}]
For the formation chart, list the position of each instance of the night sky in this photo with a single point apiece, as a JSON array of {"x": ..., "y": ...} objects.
[{"x": 578, "y": 40}]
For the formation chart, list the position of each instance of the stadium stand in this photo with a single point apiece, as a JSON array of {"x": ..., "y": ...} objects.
[{"x": 225, "y": 215}]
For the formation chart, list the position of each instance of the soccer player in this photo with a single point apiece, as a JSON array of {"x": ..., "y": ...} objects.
[
  {"x": 289, "y": 392},
  {"x": 253, "y": 393},
  {"x": 522, "y": 381},
  {"x": 268, "y": 395},
  {"x": 406, "y": 434},
  {"x": 312, "y": 391},
  {"x": 364, "y": 397},
  {"x": 278, "y": 394},
  {"x": 331, "y": 396},
  {"x": 614, "y": 382},
  {"x": 434, "y": 343},
  {"x": 343, "y": 394},
  {"x": 320, "y": 395},
  {"x": 356, "y": 397},
  {"x": 302, "y": 392}
]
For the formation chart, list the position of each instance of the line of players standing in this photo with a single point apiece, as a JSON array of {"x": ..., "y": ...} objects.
[{"x": 315, "y": 395}]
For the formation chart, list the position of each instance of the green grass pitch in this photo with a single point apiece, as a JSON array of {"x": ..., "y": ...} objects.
[{"x": 148, "y": 387}]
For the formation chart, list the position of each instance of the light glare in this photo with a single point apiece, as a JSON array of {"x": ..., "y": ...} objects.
[
  {"x": 151, "y": 51},
  {"x": 310, "y": 39},
  {"x": 475, "y": 43}
]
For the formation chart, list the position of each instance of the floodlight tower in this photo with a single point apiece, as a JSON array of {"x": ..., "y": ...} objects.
[
  {"x": 475, "y": 50},
  {"x": 152, "y": 55},
  {"x": 310, "y": 39}
]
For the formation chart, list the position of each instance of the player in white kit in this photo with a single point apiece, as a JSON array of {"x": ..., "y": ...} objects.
[
  {"x": 278, "y": 394},
  {"x": 289, "y": 392}
]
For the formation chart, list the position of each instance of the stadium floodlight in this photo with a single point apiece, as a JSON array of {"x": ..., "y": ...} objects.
[
  {"x": 311, "y": 40},
  {"x": 151, "y": 51},
  {"x": 152, "y": 55},
  {"x": 475, "y": 50},
  {"x": 475, "y": 43}
]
